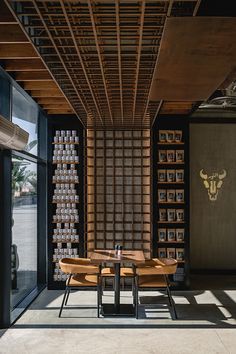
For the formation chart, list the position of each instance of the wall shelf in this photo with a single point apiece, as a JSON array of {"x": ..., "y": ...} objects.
[{"x": 162, "y": 188}]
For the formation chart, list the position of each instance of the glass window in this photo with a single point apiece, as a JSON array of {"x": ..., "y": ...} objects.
[
  {"x": 25, "y": 114},
  {"x": 24, "y": 228}
]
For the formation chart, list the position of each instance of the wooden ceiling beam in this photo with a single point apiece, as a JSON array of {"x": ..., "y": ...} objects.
[
  {"x": 51, "y": 100},
  {"x": 33, "y": 76},
  {"x": 17, "y": 51},
  {"x": 99, "y": 57},
  {"x": 37, "y": 85},
  {"x": 60, "y": 57},
  {"x": 45, "y": 93},
  {"x": 81, "y": 60},
  {"x": 60, "y": 111},
  {"x": 138, "y": 56},
  {"x": 119, "y": 60},
  {"x": 24, "y": 65},
  {"x": 10, "y": 33},
  {"x": 198, "y": 2},
  {"x": 56, "y": 106}
]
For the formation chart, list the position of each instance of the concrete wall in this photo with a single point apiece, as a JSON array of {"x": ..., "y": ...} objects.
[{"x": 213, "y": 223}]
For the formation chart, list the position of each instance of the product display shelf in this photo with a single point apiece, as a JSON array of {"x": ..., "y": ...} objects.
[
  {"x": 171, "y": 247},
  {"x": 63, "y": 247}
]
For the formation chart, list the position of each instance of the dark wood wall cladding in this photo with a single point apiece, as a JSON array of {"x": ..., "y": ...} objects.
[
  {"x": 118, "y": 190},
  {"x": 213, "y": 240}
]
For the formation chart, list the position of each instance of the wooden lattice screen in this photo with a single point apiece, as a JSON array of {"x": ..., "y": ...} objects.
[{"x": 118, "y": 190}]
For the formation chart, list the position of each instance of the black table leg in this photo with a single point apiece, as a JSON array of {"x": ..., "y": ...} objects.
[
  {"x": 117, "y": 288},
  {"x": 117, "y": 309}
]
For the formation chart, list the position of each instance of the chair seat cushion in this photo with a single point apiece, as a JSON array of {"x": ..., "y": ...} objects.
[
  {"x": 82, "y": 280},
  {"x": 152, "y": 281},
  {"x": 124, "y": 272}
]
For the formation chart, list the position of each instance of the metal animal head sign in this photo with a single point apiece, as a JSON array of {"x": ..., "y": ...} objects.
[{"x": 213, "y": 183}]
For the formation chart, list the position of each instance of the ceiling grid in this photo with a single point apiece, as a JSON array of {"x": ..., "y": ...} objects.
[{"x": 103, "y": 53}]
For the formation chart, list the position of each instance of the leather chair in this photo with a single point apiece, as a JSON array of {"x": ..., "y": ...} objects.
[
  {"x": 81, "y": 273},
  {"x": 153, "y": 274}
]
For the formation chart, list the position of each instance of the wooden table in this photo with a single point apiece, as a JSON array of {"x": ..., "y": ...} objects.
[{"x": 110, "y": 256}]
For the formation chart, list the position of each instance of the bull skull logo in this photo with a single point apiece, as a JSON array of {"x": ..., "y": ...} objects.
[{"x": 213, "y": 183}]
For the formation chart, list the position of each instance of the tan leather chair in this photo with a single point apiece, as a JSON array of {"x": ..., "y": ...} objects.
[
  {"x": 153, "y": 274},
  {"x": 82, "y": 273}
]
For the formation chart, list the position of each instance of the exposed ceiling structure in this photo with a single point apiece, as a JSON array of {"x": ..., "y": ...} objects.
[{"x": 101, "y": 55}]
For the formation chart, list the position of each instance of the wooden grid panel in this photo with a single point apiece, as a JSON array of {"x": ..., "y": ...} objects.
[
  {"x": 102, "y": 54},
  {"x": 118, "y": 190}
]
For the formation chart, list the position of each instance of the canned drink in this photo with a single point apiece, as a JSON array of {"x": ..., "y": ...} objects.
[
  {"x": 66, "y": 139},
  {"x": 77, "y": 238},
  {"x": 72, "y": 139},
  {"x": 76, "y": 139},
  {"x": 60, "y": 139},
  {"x": 74, "y": 132},
  {"x": 68, "y": 133},
  {"x": 63, "y": 132},
  {"x": 76, "y": 158},
  {"x": 57, "y": 133}
]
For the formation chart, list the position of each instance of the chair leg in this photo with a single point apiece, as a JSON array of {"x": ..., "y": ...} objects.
[
  {"x": 99, "y": 295},
  {"x": 67, "y": 297},
  {"x": 133, "y": 291},
  {"x": 171, "y": 301},
  {"x": 63, "y": 301},
  {"x": 136, "y": 296}
]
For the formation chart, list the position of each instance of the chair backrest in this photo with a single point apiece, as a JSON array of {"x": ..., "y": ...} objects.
[
  {"x": 78, "y": 266},
  {"x": 158, "y": 266}
]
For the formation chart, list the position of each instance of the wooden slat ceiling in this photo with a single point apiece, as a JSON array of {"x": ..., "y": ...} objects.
[{"x": 102, "y": 54}]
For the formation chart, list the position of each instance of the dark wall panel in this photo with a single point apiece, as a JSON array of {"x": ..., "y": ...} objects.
[{"x": 213, "y": 223}]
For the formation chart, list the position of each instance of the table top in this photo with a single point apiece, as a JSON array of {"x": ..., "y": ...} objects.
[{"x": 100, "y": 256}]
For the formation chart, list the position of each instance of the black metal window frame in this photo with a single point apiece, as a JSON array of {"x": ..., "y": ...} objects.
[{"x": 7, "y": 317}]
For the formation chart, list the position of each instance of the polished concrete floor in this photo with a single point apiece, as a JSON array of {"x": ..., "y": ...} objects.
[{"x": 206, "y": 324}]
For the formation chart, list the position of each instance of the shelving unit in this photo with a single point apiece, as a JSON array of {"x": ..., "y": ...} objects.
[
  {"x": 118, "y": 190},
  {"x": 65, "y": 198},
  {"x": 171, "y": 234}
]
